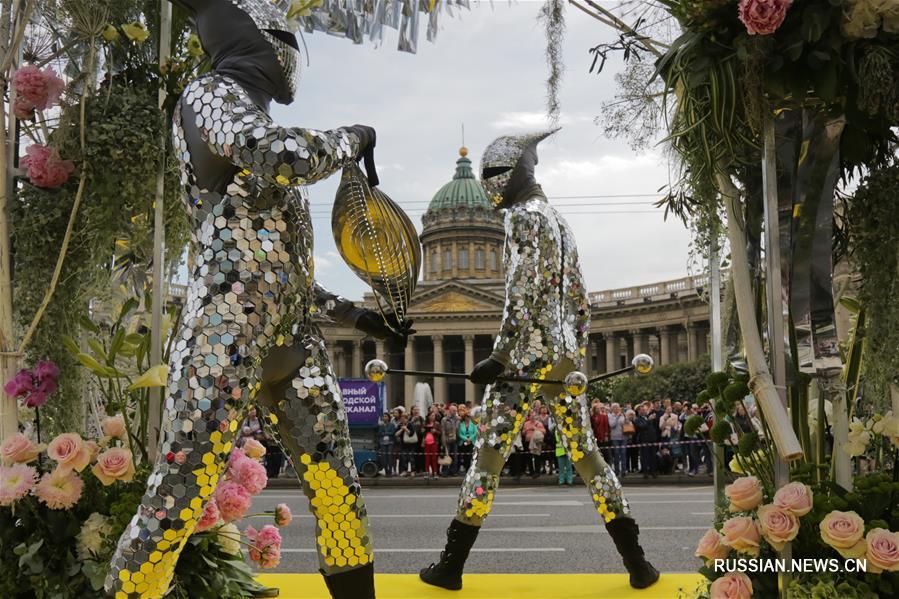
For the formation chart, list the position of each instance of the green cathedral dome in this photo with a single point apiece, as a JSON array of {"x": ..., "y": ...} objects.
[{"x": 464, "y": 191}]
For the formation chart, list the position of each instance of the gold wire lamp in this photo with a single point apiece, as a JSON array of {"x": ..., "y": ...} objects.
[{"x": 377, "y": 241}]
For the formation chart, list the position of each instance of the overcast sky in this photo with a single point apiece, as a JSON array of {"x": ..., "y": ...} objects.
[{"x": 487, "y": 70}]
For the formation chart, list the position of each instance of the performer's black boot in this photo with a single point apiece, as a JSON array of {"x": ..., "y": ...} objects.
[
  {"x": 625, "y": 532},
  {"x": 447, "y": 573},
  {"x": 358, "y": 583}
]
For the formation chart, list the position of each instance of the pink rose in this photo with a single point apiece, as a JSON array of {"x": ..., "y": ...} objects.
[
  {"x": 883, "y": 551},
  {"x": 253, "y": 448},
  {"x": 40, "y": 88},
  {"x": 45, "y": 167},
  {"x": 114, "y": 464},
  {"x": 795, "y": 498},
  {"x": 248, "y": 473},
  {"x": 283, "y": 516},
  {"x": 70, "y": 452},
  {"x": 16, "y": 482},
  {"x": 59, "y": 489},
  {"x": 744, "y": 494},
  {"x": 210, "y": 516},
  {"x": 711, "y": 547},
  {"x": 735, "y": 585},
  {"x": 763, "y": 17},
  {"x": 232, "y": 500},
  {"x": 114, "y": 426},
  {"x": 265, "y": 546},
  {"x": 844, "y": 531},
  {"x": 19, "y": 449},
  {"x": 778, "y": 526},
  {"x": 742, "y": 534}
]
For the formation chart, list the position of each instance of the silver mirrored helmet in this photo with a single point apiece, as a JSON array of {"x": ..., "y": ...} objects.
[
  {"x": 270, "y": 16},
  {"x": 500, "y": 158}
]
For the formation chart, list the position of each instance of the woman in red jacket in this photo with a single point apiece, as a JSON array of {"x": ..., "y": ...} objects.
[{"x": 599, "y": 421}]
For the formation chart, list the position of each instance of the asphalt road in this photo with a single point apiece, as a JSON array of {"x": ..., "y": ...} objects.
[{"x": 531, "y": 529}]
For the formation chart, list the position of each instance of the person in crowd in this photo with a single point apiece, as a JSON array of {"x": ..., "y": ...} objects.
[
  {"x": 616, "y": 436},
  {"x": 251, "y": 429},
  {"x": 430, "y": 444},
  {"x": 531, "y": 426},
  {"x": 468, "y": 434},
  {"x": 742, "y": 421},
  {"x": 647, "y": 438},
  {"x": 417, "y": 422},
  {"x": 566, "y": 472},
  {"x": 407, "y": 434},
  {"x": 545, "y": 462},
  {"x": 599, "y": 422},
  {"x": 630, "y": 438},
  {"x": 449, "y": 433},
  {"x": 386, "y": 440},
  {"x": 668, "y": 426},
  {"x": 664, "y": 461}
]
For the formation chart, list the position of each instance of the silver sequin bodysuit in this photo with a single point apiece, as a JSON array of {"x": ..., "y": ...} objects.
[
  {"x": 543, "y": 335},
  {"x": 251, "y": 293}
]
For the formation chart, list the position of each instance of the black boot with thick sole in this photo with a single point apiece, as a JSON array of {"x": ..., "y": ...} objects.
[
  {"x": 447, "y": 573},
  {"x": 358, "y": 583},
  {"x": 625, "y": 533}
]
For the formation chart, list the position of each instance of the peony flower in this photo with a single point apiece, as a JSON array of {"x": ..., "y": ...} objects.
[
  {"x": 734, "y": 585},
  {"x": 114, "y": 464},
  {"x": 136, "y": 32},
  {"x": 111, "y": 34},
  {"x": 763, "y": 17},
  {"x": 861, "y": 19},
  {"x": 253, "y": 448},
  {"x": 70, "y": 452},
  {"x": 883, "y": 551},
  {"x": 19, "y": 449},
  {"x": 157, "y": 376},
  {"x": 232, "y": 500},
  {"x": 228, "y": 539},
  {"x": 92, "y": 536},
  {"x": 15, "y": 483},
  {"x": 59, "y": 489},
  {"x": 711, "y": 547},
  {"x": 795, "y": 498},
  {"x": 45, "y": 167},
  {"x": 194, "y": 47},
  {"x": 265, "y": 546},
  {"x": 778, "y": 526},
  {"x": 744, "y": 494},
  {"x": 39, "y": 88},
  {"x": 210, "y": 516},
  {"x": 23, "y": 109},
  {"x": 114, "y": 426},
  {"x": 742, "y": 534},
  {"x": 248, "y": 473},
  {"x": 844, "y": 531},
  {"x": 282, "y": 515}
]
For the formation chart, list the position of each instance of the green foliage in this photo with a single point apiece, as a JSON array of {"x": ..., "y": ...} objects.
[
  {"x": 204, "y": 570},
  {"x": 692, "y": 424},
  {"x": 678, "y": 382},
  {"x": 747, "y": 444},
  {"x": 874, "y": 228}
]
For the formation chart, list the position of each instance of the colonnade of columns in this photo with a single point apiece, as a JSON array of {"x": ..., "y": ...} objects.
[{"x": 669, "y": 344}]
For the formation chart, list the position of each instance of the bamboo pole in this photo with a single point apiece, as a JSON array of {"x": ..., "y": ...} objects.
[
  {"x": 159, "y": 283},
  {"x": 761, "y": 384},
  {"x": 716, "y": 349}
]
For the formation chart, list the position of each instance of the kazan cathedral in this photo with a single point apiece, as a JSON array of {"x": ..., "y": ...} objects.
[{"x": 458, "y": 305}]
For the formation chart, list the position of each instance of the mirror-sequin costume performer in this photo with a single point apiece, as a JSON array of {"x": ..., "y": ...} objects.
[
  {"x": 247, "y": 333},
  {"x": 544, "y": 335}
]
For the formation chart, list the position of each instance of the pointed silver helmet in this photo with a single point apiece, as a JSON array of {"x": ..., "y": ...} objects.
[{"x": 500, "y": 158}]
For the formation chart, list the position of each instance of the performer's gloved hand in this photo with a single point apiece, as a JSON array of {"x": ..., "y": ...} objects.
[
  {"x": 367, "y": 138},
  {"x": 486, "y": 371},
  {"x": 372, "y": 323}
]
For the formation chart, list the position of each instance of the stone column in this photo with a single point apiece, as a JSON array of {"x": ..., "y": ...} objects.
[
  {"x": 640, "y": 346},
  {"x": 613, "y": 359},
  {"x": 679, "y": 342},
  {"x": 469, "y": 366},
  {"x": 600, "y": 355},
  {"x": 664, "y": 345},
  {"x": 357, "y": 359},
  {"x": 440, "y": 389},
  {"x": 409, "y": 364},
  {"x": 692, "y": 342},
  {"x": 338, "y": 361},
  {"x": 591, "y": 353}
]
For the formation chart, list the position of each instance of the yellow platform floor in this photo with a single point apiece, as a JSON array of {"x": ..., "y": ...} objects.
[{"x": 497, "y": 586}]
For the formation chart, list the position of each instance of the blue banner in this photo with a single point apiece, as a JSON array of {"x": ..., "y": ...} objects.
[{"x": 363, "y": 401}]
